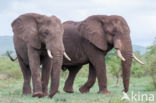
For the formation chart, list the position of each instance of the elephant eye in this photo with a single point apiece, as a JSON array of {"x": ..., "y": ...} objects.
[{"x": 46, "y": 32}]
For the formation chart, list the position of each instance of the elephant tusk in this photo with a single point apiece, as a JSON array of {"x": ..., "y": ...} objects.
[
  {"x": 120, "y": 55},
  {"x": 139, "y": 61},
  {"x": 66, "y": 56},
  {"x": 49, "y": 54}
]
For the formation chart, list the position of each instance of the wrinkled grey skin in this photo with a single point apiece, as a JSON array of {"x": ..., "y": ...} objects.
[
  {"x": 34, "y": 34},
  {"x": 88, "y": 42}
]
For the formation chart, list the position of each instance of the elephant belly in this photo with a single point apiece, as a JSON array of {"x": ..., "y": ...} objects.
[
  {"x": 76, "y": 53},
  {"x": 76, "y": 59}
]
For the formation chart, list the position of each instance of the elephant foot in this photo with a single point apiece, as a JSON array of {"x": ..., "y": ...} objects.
[
  {"x": 125, "y": 90},
  {"x": 26, "y": 92},
  {"x": 83, "y": 90},
  {"x": 53, "y": 93},
  {"x": 38, "y": 94},
  {"x": 68, "y": 90},
  {"x": 104, "y": 92},
  {"x": 45, "y": 94}
]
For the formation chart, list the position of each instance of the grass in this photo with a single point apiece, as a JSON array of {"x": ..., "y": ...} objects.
[{"x": 11, "y": 88}]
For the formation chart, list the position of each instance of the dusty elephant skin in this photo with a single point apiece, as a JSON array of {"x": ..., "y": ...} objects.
[
  {"x": 88, "y": 42},
  {"x": 38, "y": 41}
]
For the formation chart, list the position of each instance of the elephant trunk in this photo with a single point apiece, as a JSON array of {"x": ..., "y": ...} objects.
[
  {"x": 55, "y": 74},
  {"x": 124, "y": 51},
  {"x": 126, "y": 69}
]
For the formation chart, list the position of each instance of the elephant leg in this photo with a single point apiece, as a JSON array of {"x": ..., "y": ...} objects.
[
  {"x": 26, "y": 75},
  {"x": 91, "y": 80},
  {"x": 34, "y": 63},
  {"x": 70, "y": 80},
  {"x": 46, "y": 70},
  {"x": 100, "y": 66},
  {"x": 97, "y": 59}
]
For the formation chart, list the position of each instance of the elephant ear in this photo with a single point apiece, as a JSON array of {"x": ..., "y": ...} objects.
[
  {"x": 93, "y": 32},
  {"x": 26, "y": 28}
]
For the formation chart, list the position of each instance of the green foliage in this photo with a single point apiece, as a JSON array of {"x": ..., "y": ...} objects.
[
  {"x": 114, "y": 65},
  {"x": 137, "y": 69},
  {"x": 151, "y": 62},
  {"x": 9, "y": 68}
]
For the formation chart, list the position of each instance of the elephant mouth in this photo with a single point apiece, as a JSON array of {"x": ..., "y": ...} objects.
[
  {"x": 51, "y": 56},
  {"x": 133, "y": 56}
]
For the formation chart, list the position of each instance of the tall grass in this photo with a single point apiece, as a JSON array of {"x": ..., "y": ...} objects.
[{"x": 9, "y": 68}]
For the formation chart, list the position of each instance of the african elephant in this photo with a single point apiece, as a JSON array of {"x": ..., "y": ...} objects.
[
  {"x": 89, "y": 41},
  {"x": 38, "y": 40}
]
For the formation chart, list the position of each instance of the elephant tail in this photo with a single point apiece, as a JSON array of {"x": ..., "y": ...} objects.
[{"x": 11, "y": 58}]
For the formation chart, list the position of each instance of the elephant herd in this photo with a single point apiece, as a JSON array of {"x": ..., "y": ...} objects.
[{"x": 42, "y": 41}]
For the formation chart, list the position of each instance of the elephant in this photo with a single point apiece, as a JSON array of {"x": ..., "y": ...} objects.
[
  {"x": 38, "y": 40},
  {"x": 89, "y": 41}
]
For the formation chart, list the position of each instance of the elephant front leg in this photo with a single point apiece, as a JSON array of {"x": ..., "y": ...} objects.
[
  {"x": 46, "y": 70},
  {"x": 91, "y": 80},
  {"x": 55, "y": 75},
  {"x": 97, "y": 59},
  {"x": 101, "y": 75},
  {"x": 70, "y": 80},
  {"x": 34, "y": 63}
]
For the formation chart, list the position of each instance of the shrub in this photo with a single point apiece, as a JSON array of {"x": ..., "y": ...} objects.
[{"x": 151, "y": 62}]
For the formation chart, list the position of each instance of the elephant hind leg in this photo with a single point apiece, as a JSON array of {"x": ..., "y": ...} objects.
[
  {"x": 91, "y": 80},
  {"x": 26, "y": 75},
  {"x": 70, "y": 80}
]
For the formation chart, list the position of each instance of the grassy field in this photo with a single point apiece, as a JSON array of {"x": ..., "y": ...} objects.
[{"x": 11, "y": 87}]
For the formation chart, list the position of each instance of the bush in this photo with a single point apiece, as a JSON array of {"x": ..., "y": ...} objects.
[
  {"x": 151, "y": 62},
  {"x": 114, "y": 65},
  {"x": 138, "y": 70},
  {"x": 153, "y": 71}
]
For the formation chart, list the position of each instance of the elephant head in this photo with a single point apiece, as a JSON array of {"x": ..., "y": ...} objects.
[
  {"x": 40, "y": 30},
  {"x": 106, "y": 32}
]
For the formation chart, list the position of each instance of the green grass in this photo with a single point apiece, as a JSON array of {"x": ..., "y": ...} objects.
[{"x": 11, "y": 88}]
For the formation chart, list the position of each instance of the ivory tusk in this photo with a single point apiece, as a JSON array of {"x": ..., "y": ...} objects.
[
  {"x": 139, "y": 61},
  {"x": 49, "y": 54},
  {"x": 120, "y": 55},
  {"x": 66, "y": 56}
]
